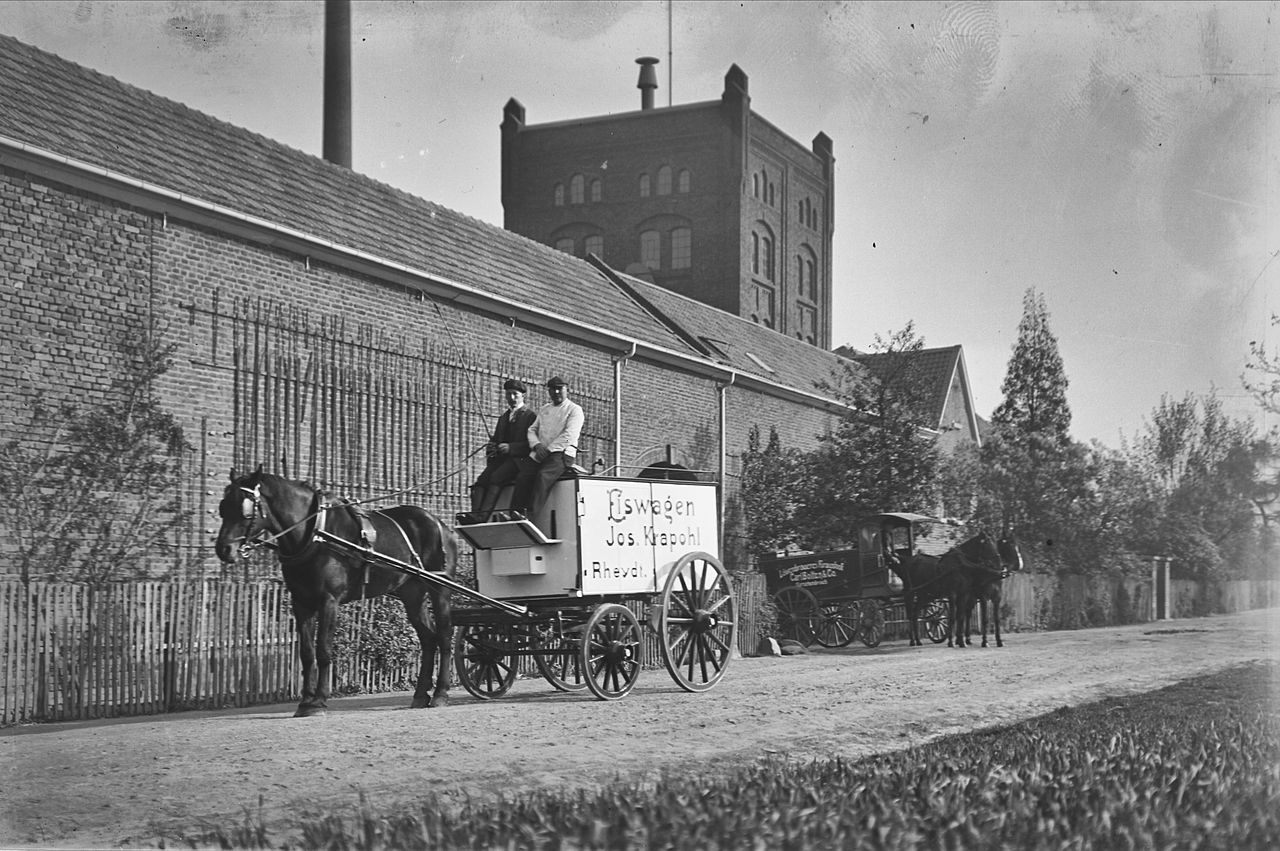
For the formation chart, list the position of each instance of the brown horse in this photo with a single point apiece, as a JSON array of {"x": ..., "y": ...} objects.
[
  {"x": 321, "y": 577},
  {"x": 984, "y": 585},
  {"x": 925, "y": 578}
]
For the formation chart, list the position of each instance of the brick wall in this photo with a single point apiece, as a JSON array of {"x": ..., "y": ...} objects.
[{"x": 361, "y": 386}]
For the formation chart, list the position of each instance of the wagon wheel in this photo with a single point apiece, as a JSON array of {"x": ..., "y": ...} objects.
[
  {"x": 937, "y": 621},
  {"x": 797, "y": 611},
  {"x": 697, "y": 622},
  {"x": 837, "y": 624},
  {"x": 482, "y": 656},
  {"x": 559, "y": 661},
  {"x": 871, "y": 623},
  {"x": 610, "y": 655}
]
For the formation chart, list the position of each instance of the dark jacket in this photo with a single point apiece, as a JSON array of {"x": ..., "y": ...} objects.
[{"x": 515, "y": 430}]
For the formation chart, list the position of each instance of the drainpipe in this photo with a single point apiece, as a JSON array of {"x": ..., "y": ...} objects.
[
  {"x": 722, "y": 389},
  {"x": 617, "y": 406}
]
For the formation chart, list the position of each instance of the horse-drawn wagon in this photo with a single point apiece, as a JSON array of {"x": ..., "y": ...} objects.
[
  {"x": 561, "y": 588},
  {"x": 568, "y": 575},
  {"x": 837, "y": 596}
]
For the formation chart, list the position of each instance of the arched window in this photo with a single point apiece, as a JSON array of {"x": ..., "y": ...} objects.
[
  {"x": 595, "y": 190},
  {"x": 755, "y": 185},
  {"x": 644, "y": 186},
  {"x": 762, "y": 247},
  {"x": 681, "y": 248},
  {"x": 565, "y": 245},
  {"x": 576, "y": 185},
  {"x": 664, "y": 180},
  {"x": 683, "y": 181},
  {"x": 763, "y": 307},
  {"x": 559, "y": 195},
  {"x": 806, "y": 274},
  {"x": 800, "y": 212},
  {"x": 594, "y": 244},
  {"x": 651, "y": 249}
]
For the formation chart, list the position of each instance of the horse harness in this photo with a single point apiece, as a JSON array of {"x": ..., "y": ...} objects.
[{"x": 253, "y": 509}]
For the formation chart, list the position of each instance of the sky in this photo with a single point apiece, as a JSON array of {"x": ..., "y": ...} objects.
[{"x": 1123, "y": 159}]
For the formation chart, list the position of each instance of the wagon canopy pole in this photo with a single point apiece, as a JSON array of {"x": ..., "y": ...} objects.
[
  {"x": 723, "y": 392},
  {"x": 617, "y": 406}
]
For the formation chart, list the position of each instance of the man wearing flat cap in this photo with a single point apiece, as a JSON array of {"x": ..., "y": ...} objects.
[
  {"x": 507, "y": 451},
  {"x": 554, "y": 438}
]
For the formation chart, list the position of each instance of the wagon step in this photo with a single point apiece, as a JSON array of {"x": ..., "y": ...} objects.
[{"x": 504, "y": 534}]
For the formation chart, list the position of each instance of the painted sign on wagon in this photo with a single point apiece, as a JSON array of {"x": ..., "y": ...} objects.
[{"x": 631, "y": 532}]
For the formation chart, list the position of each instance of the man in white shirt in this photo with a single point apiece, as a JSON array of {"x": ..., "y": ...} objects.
[{"x": 554, "y": 438}]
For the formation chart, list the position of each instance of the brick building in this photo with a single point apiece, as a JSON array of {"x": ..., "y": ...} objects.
[
  {"x": 329, "y": 326},
  {"x": 706, "y": 199}
]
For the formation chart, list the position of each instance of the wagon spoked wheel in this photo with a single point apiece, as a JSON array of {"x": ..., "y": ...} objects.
[
  {"x": 484, "y": 661},
  {"x": 559, "y": 661},
  {"x": 797, "y": 612},
  {"x": 697, "y": 622},
  {"x": 610, "y": 655},
  {"x": 937, "y": 621},
  {"x": 837, "y": 624},
  {"x": 871, "y": 623}
]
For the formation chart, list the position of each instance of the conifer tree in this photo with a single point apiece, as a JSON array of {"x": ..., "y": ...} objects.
[{"x": 1035, "y": 386}]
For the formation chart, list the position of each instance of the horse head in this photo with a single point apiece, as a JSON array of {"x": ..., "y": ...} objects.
[
  {"x": 258, "y": 503},
  {"x": 1010, "y": 552},
  {"x": 239, "y": 509}
]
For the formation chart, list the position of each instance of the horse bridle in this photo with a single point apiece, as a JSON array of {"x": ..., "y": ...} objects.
[{"x": 251, "y": 510}]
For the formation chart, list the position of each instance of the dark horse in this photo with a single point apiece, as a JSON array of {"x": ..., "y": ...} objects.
[
  {"x": 984, "y": 585},
  {"x": 925, "y": 578},
  {"x": 321, "y": 577}
]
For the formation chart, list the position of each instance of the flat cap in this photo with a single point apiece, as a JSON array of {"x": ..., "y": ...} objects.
[
  {"x": 557, "y": 381},
  {"x": 515, "y": 384}
]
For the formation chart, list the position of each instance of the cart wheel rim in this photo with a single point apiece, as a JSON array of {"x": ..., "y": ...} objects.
[
  {"x": 698, "y": 622},
  {"x": 483, "y": 662},
  {"x": 560, "y": 663},
  {"x": 610, "y": 651},
  {"x": 797, "y": 612}
]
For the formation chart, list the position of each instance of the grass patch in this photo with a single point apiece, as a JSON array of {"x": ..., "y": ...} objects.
[{"x": 1195, "y": 766}]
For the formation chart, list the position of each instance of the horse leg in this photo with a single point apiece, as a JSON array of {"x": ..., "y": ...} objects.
[
  {"x": 305, "y": 622},
  {"x": 983, "y": 604},
  {"x": 424, "y": 611},
  {"x": 913, "y": 625},
  {"x": 995, "y": 617},
  {"x": 326, "y": 624},
  {"x": 441, "y": 606}
]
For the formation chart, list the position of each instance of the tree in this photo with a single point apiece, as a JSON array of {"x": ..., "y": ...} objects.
[
  {"x": 1265, "y": 384},
  {"x": 93, "y": 490},
  {"x": 770, "y": 482},
  {"x": 878, "y": 458},
  {"x": 1035, "y": 385}
]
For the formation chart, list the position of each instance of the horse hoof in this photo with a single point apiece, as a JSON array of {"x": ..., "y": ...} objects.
[
  {"x": 310, "y": 712},
  {"x": 439, "y": 700}
]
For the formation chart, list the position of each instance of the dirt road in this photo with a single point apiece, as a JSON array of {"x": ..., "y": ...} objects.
[{"x": 123, "y": 783}]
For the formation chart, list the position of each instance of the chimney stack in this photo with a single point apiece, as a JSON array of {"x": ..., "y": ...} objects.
[
  {"x": 648, "y": 81},
  {"x": 337, "y": 82}
]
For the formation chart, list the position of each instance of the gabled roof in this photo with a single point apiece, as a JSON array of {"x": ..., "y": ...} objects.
[
  {"x": 937, "y": 368},
  {"x": 56, "y": 106},
  {"x": 738, "y": 343}
]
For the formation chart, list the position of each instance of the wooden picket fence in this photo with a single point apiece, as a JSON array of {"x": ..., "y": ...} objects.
[{"x": 75, "y": 652}]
